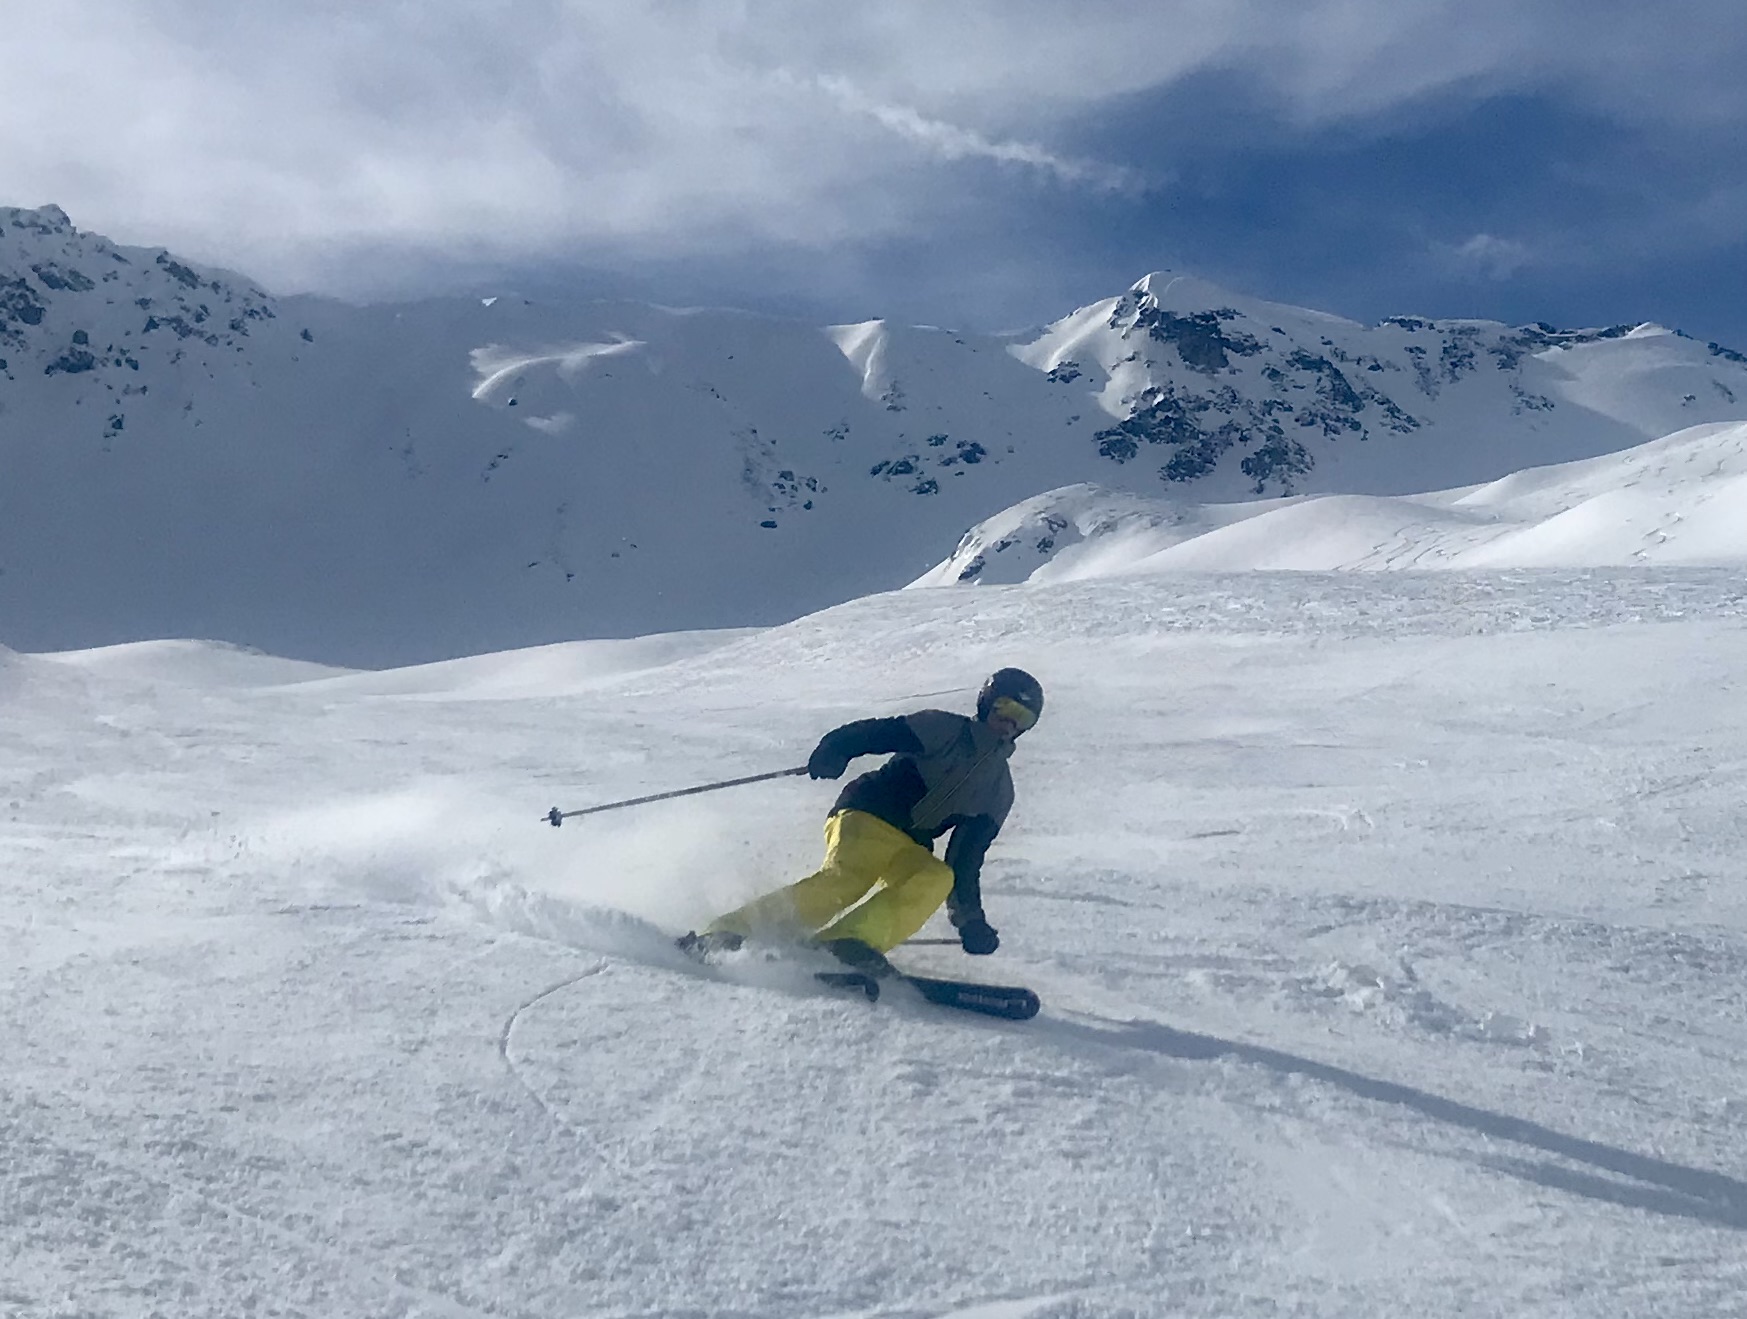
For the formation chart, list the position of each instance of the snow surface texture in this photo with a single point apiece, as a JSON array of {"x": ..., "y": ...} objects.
[
  {"x": 383, "y": 485},
  {"x": 1680, "y": 499},
  {"x": 1389, "y": 928}
]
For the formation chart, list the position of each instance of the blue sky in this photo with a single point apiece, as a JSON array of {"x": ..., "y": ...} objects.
[{"x": 985, "y": 165}]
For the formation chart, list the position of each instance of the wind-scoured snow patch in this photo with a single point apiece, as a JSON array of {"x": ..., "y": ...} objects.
[
  {"x": 498, "y": 367},
  {"x": 537, "y": 384},
  {"x": 864, "y": 345},
  {"x": 1681, "y": 500},
  {"x": 193, "y": 664}
]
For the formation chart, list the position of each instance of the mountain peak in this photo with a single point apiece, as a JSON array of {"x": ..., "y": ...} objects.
[
  {"x": 1171, "y": 290},
  {"x": 1178, "y": 293},
  {"x": 50, "y": 219}
]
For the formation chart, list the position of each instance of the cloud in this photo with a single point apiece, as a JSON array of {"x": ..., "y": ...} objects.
[
  {"x": 288, "y": 139},
  {"x": 1485, "y": 256},
  {"x": 951, "y": 142}
]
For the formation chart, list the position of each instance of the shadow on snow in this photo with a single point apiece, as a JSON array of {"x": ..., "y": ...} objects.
[{"x": 1662, "y": 1187}]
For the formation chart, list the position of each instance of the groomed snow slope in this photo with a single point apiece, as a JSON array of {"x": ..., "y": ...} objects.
[
  {"x": 1388, "y": 926},
  {"x": 1681, "y": 499}
]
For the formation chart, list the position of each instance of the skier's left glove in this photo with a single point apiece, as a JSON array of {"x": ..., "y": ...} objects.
[
  {"x": 826, "y": 762},
  {"x": 978, "y": 937}
]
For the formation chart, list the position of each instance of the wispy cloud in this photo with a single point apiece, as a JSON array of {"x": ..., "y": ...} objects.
[{"x": 953, "y": 142}]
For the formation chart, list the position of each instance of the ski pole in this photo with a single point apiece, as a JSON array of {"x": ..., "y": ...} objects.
[{"x": 556, "y": 817}]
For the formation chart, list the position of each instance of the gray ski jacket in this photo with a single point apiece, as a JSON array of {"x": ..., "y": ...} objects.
[{"x": 949, "y": 773}]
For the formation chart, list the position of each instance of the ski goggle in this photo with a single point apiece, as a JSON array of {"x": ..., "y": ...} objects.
[{"x": 1023, "y": 716}]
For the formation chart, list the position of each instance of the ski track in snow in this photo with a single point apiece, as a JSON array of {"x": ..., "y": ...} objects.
[{"x": 1390, "y": 935}]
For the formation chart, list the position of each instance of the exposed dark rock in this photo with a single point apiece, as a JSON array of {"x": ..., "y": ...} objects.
[
  {"x": 18, "y": 303},
  {"x": 1161, "y": 418},
  {"x": 184, "y": 330},
  {"x": 1457, "y": 358},
  {"x": 1527, "y": 402},
  {"x": 1200, "y": 339},
  {"x": 177, "y": 271},
  {"x": 1197, "y": 458},
  {"x": 1276, "y": 458},
  {"x": 1428, "y": 383},
  {"x": 72, "y": 362},
  {"x": 47, "y": 220},
  {"x": 67, "y": 280},
  {"x": 1402, "y": 423},
  {"x": 1332, "y": 384}
]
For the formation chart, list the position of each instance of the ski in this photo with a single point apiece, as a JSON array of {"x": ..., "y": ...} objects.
[
  {"x": 1013, "y": 1002},
  {"x": 866, "y": 969}
]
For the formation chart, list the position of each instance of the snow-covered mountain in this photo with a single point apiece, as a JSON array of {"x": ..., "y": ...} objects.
[
  {"x": 1680, "y": 500},
  {"x": 186, "y": 455},
  {"x": 1244, "y": 397}
]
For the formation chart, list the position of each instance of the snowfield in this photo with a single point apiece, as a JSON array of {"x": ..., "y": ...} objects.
[
  {"x": 1389, "y": 927},
  {"x": 1681, "y": 499}
]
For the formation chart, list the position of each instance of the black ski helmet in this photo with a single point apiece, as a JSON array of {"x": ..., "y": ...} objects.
[{"x": 1014, "y": 683}]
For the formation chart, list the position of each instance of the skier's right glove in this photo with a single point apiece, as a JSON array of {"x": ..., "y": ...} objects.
[
  {"x": 826, "y": 763},
  {"x": 978, "y": 937}
]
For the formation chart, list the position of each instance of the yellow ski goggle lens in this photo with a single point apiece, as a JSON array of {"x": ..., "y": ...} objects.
[{"x": 1022, "y": 716}]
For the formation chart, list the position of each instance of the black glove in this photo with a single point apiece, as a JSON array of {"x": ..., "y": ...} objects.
[
  {"x": 978, "y": 937},
  {"x": 825, "y": 763}
]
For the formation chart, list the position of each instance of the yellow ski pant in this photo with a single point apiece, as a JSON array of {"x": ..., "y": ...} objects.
[{"x": 863, "y": 855}]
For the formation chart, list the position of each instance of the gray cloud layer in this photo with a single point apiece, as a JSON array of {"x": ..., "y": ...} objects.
[{"x": 280, "y": 138}]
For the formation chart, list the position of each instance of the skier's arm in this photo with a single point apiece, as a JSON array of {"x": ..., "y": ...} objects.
[
  {"x": 964, "y": 853},
  {"x": 864, "y": 737}
]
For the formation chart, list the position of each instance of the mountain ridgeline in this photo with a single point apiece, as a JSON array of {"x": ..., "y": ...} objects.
[{"x": 188, "y": 455}]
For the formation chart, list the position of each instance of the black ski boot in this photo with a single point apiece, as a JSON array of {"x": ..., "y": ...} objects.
[
  {"x": 699, "y": 947},
  {"x": 863, "y": 957}
]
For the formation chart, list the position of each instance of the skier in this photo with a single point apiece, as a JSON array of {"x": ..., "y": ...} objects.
[{"x": 949, "y": 773}]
